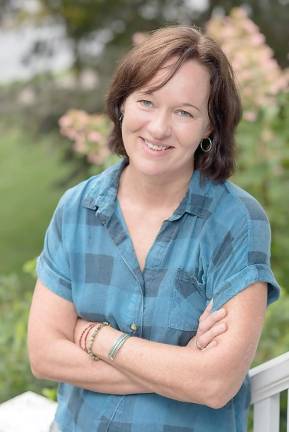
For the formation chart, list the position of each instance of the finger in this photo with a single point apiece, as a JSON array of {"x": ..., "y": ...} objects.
[
  {"x": 206, "y": 338},
  {"x": 212, "y": 344},
  {"x": 207, "y": 311},
  {"x": 207, "y": 323}
]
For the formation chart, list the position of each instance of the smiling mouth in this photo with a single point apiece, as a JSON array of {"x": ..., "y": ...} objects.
[{"x": 156, "y": 147}]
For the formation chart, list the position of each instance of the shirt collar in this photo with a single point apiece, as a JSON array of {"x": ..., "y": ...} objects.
[
  {"x": 197, "y": 201},
  {"x": 102, "y": 194}
]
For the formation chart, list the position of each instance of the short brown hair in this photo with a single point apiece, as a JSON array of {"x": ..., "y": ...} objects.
[{"x": 224, "y": 107}]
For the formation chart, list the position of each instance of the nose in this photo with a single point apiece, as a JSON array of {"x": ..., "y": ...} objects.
[{"x": 159, "y": 126}]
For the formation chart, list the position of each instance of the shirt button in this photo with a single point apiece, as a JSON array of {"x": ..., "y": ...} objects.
[{"x": 133, "y": 326}]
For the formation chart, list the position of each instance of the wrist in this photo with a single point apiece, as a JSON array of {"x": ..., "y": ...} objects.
[
  {"x": 82, "y": 342},
  {"x": 104, "y": 341},
  {"x": 101, "y": 341}
]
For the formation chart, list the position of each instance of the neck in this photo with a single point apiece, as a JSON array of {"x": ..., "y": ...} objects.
[{"x": 153, "y": 191}]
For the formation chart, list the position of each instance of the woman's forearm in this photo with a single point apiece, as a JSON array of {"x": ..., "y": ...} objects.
[
  {"x": 170, "y": 384},
  {"x": 167, "y": 369},
  {"x": 63, "y": 361},
  {"x": 211, "y": 377}
]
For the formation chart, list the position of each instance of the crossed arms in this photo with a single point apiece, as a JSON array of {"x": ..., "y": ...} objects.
[{"x": 210, "y": 377}]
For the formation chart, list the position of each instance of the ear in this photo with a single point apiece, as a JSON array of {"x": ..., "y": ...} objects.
[{"x": 209, "y": 130}]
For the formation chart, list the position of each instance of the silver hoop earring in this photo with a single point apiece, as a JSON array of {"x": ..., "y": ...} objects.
[
  {"x": 208, "y": 147},
  {"x": 120, "y": 117}
]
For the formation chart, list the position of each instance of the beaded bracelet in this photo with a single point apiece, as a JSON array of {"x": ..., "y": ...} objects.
[
  {"x": 87, "y": 328},
  {"x": 117, "y": 345},
  {"x": 86, "y": 337},
  {"x": 98, "y": 327}
]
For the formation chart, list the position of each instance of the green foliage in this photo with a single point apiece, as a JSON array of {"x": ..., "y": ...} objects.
[
  {"x": 14, "y": 369},
  {"x": 30, "y": 268},
  {"x": 15, "y": 374},
  {"x": 33, "y": 176},
  {"x": 113, "y": 22},
  {"x": 50, "y": 393},
  {"x": 42, "y": 100}
]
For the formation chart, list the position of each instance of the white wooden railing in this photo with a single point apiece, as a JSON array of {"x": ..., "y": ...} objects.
[{"x": 268, "y": 380}]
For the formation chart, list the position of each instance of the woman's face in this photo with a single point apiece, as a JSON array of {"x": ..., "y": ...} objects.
[{"x": 162, "y": 130}]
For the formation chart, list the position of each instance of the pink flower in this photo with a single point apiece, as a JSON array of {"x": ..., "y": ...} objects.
[
  {"x": 94, "y": 136},
  {"x": 257, "y": 39},
  {"x": 250, "y": 116},
  {"x": 64, "y": 121},
  {"x": 80, "y": 145},
  {"x": 99, "y": 157}
]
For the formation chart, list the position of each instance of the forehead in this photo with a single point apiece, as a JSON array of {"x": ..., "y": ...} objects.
[{"x": 191, "y": 80}]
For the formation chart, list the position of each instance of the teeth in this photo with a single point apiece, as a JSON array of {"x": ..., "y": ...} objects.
[{"x": 155, "y": 146}]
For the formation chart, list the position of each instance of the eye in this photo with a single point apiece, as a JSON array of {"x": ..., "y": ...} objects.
[
  {"x": 183, "y": 113},
  {"x": 145, "y": 103}
]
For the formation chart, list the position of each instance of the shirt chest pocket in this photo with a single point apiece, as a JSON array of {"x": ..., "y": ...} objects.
[{"x": 188, "y": 301}]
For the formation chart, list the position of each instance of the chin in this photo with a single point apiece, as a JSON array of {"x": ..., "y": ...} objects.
[{"x": 149, "y": 168}]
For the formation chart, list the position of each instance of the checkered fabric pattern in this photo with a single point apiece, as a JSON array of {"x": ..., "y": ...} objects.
[{"x": 215, "y": 244}]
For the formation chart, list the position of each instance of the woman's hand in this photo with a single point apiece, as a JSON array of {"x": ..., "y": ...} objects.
[{"x": 211, "y": 325}]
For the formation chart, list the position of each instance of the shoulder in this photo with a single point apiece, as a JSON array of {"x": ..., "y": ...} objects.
[
  {"x": 238, "y": 227},
  {"x": 245, "y": 202},
  {"x": 237, "y": 222},
  {"x": 233, "y": 205}
]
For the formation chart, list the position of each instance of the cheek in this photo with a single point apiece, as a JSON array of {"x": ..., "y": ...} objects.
[
  {"x": 190, "y": 134},
  {"x": 133, "y": 120},
  {"x": 188, "y": 137}
]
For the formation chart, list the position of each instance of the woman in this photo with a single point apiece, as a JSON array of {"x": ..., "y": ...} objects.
[{"x": 147, "y": 247}]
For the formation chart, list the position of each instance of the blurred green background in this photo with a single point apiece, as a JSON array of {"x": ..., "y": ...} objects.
[{"x": 59, "y": 55}]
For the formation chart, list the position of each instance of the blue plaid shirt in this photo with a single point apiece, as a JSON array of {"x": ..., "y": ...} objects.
[{"x": 214, "y": 245}]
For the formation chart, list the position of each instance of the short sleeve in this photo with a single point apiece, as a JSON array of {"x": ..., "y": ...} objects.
[
  {"x": 53, "y": 265},
  {"x": 241, "y": 256}
]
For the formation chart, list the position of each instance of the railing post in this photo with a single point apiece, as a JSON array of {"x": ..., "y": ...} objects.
[
  {"x": 266, "y": 414},
  {"x": 268, "y": 380},
  {"x": 288, "y": 411}
]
